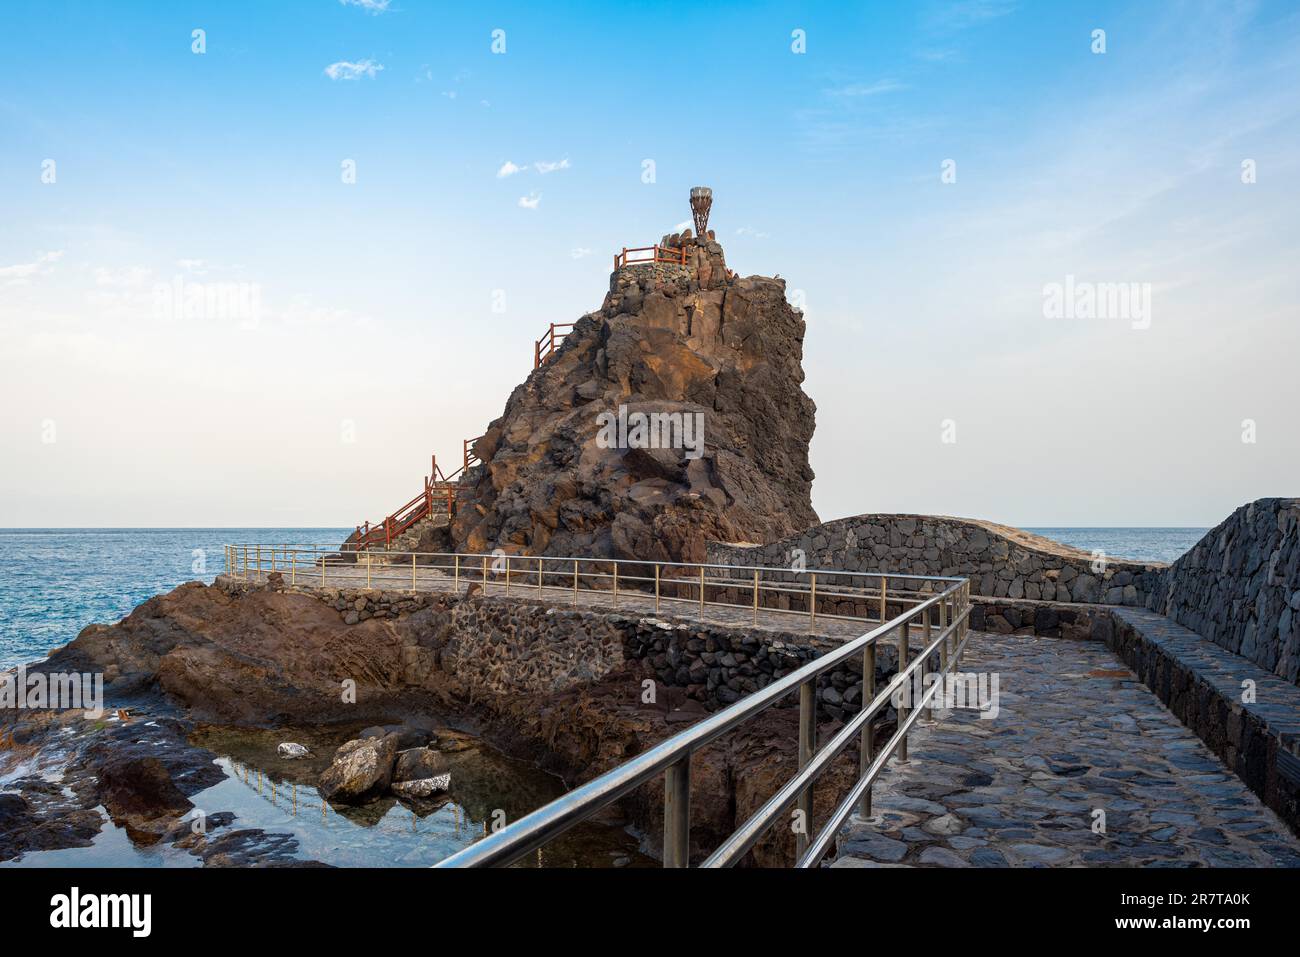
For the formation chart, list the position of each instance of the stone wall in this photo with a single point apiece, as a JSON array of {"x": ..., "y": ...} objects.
[
  {"x": 1001, "y": 562},
  {"x": 1240, "y": 586},
  {"x": 510, "y": 645}
]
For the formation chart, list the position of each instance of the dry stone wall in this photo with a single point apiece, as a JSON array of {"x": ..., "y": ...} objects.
[
  {"x": 1000, "y": 561},
  {"x": 1240, "y": 586},
  {"x": 502, "y": 646}
]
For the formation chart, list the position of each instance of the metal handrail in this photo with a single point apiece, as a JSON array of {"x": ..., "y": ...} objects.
[
  {"x": 673, "y": 755},
  {"x": 808, "y": 594},
  {"x": 658, "y": 254},
  {"x": 951, "y": 605},
  {"x": 545, "y": 347}
]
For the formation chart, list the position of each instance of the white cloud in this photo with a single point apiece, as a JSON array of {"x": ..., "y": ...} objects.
[
  {"x": 530, "y": 201},
  {"x": 580, "y": 252},
  {"x": 346, "y": 70},
  {"x": 854, "y": 90},
  {"x": 192, "y": 265},
  {"x": 129, "y": 278},
  {"x": 748, "y": 231},
  {"x": 370, "y": 6},
  {"x": 544, "y": 167},
  {"x": 508, "y": 169},
  {"x": 21, "y": 272}
]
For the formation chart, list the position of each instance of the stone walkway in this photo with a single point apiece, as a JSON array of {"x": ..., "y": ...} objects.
[
  {"x": 399, "y": 579},
  {"x": 1075, "y": 734}
]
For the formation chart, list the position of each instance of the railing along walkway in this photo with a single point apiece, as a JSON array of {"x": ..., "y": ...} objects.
[
  {"x": 933, "y": 611},
  {"x": 821, "y": 602}
]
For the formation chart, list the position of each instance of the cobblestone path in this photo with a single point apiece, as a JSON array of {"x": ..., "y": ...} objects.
[{"x": 1075, "y": 734}]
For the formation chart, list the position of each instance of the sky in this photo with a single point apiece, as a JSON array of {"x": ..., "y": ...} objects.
[{"x": 381, "y": 205}]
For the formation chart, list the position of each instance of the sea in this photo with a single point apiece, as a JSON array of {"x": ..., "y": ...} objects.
[{"x": 54, "y": 582}]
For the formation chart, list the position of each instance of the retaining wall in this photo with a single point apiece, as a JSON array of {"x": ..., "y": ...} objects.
[
  {"x": 1000, "y": 561},
  {"x": 1240, "y": 586}
]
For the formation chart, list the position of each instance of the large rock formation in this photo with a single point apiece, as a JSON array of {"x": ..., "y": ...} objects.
[{"x": 695, "y": 341}]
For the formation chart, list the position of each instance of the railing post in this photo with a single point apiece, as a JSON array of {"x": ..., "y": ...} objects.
[
  {"x": 507, "y": 576},
  {"x": 701, "y": 593},
  {"x": 677, "y": 813},
  {"x": 944, "y": 652},
  {"x": 867, "y": 743},
  {"x": 756, "y": 596},
  {"x": 323, "y": 559},
  {"x": 616, "y": 584},
  {"x": 656, "y": 588},
  {"x": 539, "y": 578},
  {"x": 293, "y": 567},
  {"x": 367, "y": 570},
  {"x": 575, "y": 583},
  {"x": 412, "y": 573},
  {"x": 928, "y": 715},
  {"x": 807, "y": 746},
  {"x": 484, "y": 576},
  {"x": 259, "y": 558},
  {"x": 455, "y": 582},
  {"x": 812, "y": 603},
  {"x": 903, "y": 709},
  {"x": 883, "y": 585}
]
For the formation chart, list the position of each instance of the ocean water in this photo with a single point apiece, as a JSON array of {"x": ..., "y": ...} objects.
[
  {"x": 1139, "y": 544},
  {"x": 54, "y": 582}
]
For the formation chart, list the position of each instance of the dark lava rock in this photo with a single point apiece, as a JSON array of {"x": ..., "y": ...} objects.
[
  {"x": 419, "y": 763},
  {"x": 139, "y": 788},
  {"x": 694, "y": 342}
]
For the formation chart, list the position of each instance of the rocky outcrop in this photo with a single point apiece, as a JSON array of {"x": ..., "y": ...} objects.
[
  {"x": 1240, "y": 586},
  {"x": 1000, "y": 561},
  {"x": 713, "y": 364}
]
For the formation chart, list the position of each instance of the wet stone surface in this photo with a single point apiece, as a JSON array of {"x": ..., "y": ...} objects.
[{"x": 1023, "y": 788}]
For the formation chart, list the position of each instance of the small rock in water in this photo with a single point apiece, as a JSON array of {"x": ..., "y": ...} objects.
[
  {"x": 423, "y": 788},
  {"x": 289, "y": 751}
]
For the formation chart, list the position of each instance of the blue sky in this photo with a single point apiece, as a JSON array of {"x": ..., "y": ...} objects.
[{"x": 924, "y": 299}]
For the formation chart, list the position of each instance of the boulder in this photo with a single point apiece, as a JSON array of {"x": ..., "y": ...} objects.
[
  {"x": 415, "y": 764},
  {"x": 139, "y": 789},
  {"x": 362, "y": 770},
  {"x": 291, "y": 751},
  {"x": 422, "y": 789}
]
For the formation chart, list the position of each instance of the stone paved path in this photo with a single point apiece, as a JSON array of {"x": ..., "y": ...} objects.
[
  {"x": 399, "y": 579},
  {"x": 1075, "y": 733}
]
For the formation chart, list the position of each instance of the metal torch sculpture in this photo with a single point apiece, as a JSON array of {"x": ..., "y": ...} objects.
[{"x": 701, "y": 202}]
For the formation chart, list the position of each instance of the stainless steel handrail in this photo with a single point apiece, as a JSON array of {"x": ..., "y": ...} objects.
[
  {"x": 802, "y": 593},
  {"x": 673, "y": 755}
]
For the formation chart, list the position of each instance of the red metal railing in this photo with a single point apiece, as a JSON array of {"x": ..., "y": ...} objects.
[
  {"x": 471, "y": 457},
  {"x": 438, "y": 497},
  {"x": 545, "y": 347},
  {"x": 439, "y": 494},
  {"x": 652, "y": 254}
]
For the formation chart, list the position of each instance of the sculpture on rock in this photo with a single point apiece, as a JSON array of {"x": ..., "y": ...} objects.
[
  {"x": 701, "y": 203},
  {"x": 693, "y": 344}
]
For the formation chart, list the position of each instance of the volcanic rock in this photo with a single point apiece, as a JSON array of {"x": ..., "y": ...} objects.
[
  {"x": 694, "y": 345},
  {"x": 362, "y": 770}
]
